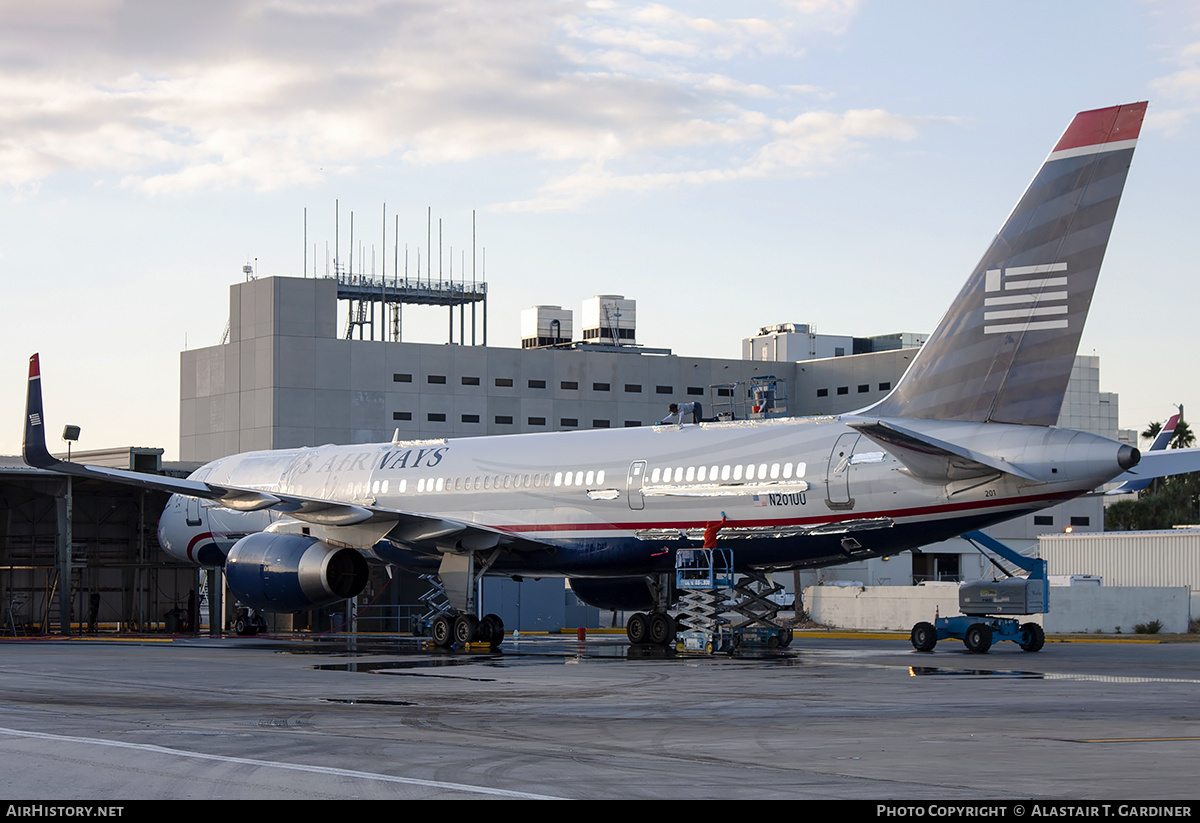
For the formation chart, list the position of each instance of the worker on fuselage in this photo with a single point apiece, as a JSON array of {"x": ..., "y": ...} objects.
[
  {"x": 678, "y": 412},
  {"x": 710, "y": 532}
]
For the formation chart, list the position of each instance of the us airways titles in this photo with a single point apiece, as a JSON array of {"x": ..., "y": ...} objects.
[{"x": 396, "y": 459}]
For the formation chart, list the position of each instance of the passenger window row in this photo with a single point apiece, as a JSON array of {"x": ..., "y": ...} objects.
[
  {"x": 489, "y": 482},
  {"x": 724, "y": 473}
]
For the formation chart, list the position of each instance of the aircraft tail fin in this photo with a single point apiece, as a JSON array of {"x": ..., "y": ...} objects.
[
  {"x": 1004, "y": 351},
  {"x": 33, "y": 444}
]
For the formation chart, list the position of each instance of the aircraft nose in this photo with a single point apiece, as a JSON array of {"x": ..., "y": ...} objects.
[{"x": 168, "y": 526}]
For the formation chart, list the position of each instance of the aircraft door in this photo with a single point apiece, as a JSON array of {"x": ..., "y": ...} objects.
[
  {"x": 192, "y": 505},
  {"x": 633, "y": 485},
  {"x": 837, "y": 474}
]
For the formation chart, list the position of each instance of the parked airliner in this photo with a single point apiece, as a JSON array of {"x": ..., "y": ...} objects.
[{"x": 965, "y": 440}]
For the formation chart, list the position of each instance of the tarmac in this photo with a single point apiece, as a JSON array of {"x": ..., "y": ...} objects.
[{"x": 831, "y": 717}]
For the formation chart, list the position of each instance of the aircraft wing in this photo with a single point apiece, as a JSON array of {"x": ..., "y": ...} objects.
[{"x": 357, "y": 524}]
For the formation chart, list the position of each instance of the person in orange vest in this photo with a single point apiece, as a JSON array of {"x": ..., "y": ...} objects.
[{"x": 710, "y": 532}]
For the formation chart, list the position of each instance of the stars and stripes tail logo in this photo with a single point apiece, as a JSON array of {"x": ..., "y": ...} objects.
[{"x": 1024, "y": 298}]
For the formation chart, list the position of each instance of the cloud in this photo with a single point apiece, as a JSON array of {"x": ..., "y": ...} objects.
[
  {"x": 804, "y": 146},
  {"x": 183, "y": 97}
]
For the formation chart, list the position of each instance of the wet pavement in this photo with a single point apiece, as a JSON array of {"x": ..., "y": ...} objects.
[{"x": 552, "y": 717}]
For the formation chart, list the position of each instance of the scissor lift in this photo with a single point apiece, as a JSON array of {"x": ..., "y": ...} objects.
[{"x": 710, "y": 593}]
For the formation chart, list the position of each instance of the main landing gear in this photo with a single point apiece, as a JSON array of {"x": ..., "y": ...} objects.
[
  {"x": 450, "y": 629},
  {"x": 655, "y": 628},
  {"x": 451, "y": 619}
]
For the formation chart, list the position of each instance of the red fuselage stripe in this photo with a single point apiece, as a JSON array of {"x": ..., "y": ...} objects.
[
  {"x": 192, "y": 544},
  {"x": 795, "y": 521}
]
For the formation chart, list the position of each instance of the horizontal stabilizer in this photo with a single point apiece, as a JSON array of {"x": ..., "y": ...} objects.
[
  {"x": 933, "y": 458},
  {"x": 1162, "y": 464}
]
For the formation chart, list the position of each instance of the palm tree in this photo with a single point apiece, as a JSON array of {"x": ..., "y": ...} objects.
[
  {"x": 1184, "y": 437},
  {"x": 1152, "y": 431}
]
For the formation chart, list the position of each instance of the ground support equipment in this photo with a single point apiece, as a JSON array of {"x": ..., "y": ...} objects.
[
  {"x": 718, "y": 612},
  {"x": 986, "y": 606}
]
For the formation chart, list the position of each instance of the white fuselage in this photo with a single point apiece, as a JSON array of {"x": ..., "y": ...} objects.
[{"x": 607, "y": 502}]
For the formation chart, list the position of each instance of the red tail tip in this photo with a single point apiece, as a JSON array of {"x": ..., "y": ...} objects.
[
  {"x": 1094, "y": 128},
  {"x": 35, "y": 370}
]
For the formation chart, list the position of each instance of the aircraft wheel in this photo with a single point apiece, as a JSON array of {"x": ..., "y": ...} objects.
[
  {"x": 495, "y": 629},
  {"x": 442, "y": 631},
  {"x": 637, "y": 629},
  {"x": 466, "y": 629},
  {"x": 1035, "y": 637},
  {"x": 979, "y": 638},
  {"x": 661, "y": 629},
  {"x": 241, "y": 627},
  {"x": 924, "y": 637}
]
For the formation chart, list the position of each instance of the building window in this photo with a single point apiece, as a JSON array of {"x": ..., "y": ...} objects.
[
  {"x": 568, "y": 422},
  {"x": 632, "y": 424},
  {"x": 724, "y": 392},
  {"x": 504, "y": 420},
  {"x": 838, "y": 351},
  {"x": 843, "y": 389},
  {"x": 504, "y": 382},
  {"x": 822, "y": 392},
  {"x": 537, "y": 384},
  {"x": 696, "y": 390},
  {"x": 885, "y": 386},
  {"x": 537, "y": 421},
  {"x": 402, "y": 415},
  {"x": 436, "y": 378},
  {"x": 863, "y": 388},
  {"x": 470, "y": 381},
  {"x": 569, "y": 385},
  {"x": 470, "y": 418},
  {"x": 1081, "y": 521},
  {"x": 1043, "y": 520},
  {"x": 633, "y": 388},
  {"x": 434, "y": 417},
  {"x": 401, "y": 378},
  {"x": 664, "y": 389},
  {"x": 600, "y": 387},
  {"x": 599, "y": 424}
]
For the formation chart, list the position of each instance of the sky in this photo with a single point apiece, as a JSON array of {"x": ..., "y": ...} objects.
[{"x": 843, "y": 163}]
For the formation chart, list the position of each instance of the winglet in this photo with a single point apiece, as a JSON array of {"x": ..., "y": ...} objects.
[{"x": 33, "y": 446}]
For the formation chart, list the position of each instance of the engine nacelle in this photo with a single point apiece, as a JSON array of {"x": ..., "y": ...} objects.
[
  {"x": 292, "y": 572},
  {"x": 620, "y": 593}
]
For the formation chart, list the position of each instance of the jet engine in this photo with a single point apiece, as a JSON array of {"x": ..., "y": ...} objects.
[{"x": 292, "y": 572}]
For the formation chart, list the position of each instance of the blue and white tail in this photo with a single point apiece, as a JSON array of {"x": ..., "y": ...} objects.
[{"x": 1003, "y": 352}]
